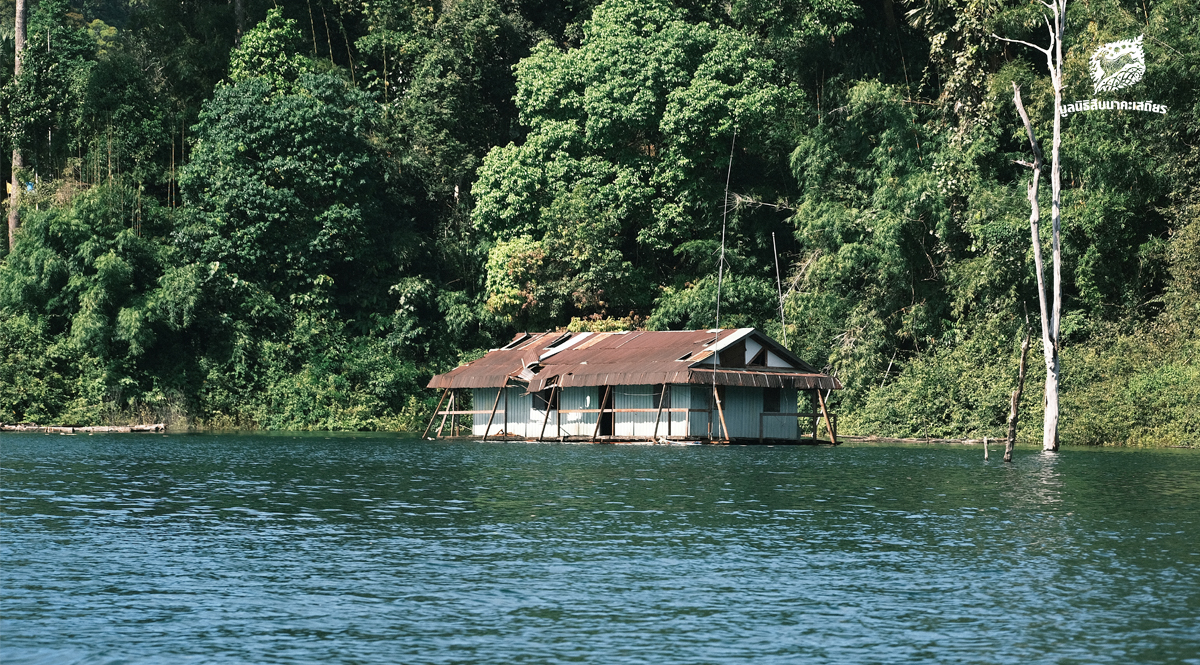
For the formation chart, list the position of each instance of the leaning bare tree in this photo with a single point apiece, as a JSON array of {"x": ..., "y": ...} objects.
[
  {"x": 1052, "y": 315},
  {"x": 17, "y": 162}
]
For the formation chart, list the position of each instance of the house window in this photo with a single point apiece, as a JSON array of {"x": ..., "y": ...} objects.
[
  {"x": 657, "y": 396},
  {"x": 543, "y": 399},
  {"x": 771, "y": 399}
]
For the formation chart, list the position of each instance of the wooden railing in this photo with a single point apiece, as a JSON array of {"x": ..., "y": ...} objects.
[{"x": 814, "y": 416}]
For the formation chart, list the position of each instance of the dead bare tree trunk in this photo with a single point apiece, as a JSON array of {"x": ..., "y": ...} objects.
[
  {"x": 1014, "y": 410},
  {"x": 239, "y": 15},
  {"x": 1050, "y": 303},
  {"x": 14, "y": 199}
]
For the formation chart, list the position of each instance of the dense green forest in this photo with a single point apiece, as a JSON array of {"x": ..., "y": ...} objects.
[{"x": 289, "y": 214}]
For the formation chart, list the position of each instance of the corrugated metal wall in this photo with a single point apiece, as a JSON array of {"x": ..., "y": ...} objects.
[
  {"x": 521, "y": 415},
  {"x": 577, "y": 424},
  {"x": 742, "y": 406},
  {"x": 781, "y": 427},
  {"x": 741, "y": 411},
  {"x": 633, "y": 397},
  {"x": 484, "y": 398},
  {"x": 680, "y": 397},
  {"x": 701, "y": 396}
]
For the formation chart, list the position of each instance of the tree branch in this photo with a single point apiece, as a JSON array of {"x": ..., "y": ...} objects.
[
  {"x": 1037, "y": 151},
  {"x": 1023, "y": 43}
]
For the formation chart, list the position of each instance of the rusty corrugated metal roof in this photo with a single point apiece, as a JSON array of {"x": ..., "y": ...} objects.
[
  {"x": 495, "y": 368},
  {"x": 631, "y": 358}
]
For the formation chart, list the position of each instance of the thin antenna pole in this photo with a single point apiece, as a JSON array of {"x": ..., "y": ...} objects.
[
  {"x": 721, "y": 271},
  {"x": 779, "y": 288},
  {"x": 724, "y": 216}
]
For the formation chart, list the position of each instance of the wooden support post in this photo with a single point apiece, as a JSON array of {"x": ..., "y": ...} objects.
[
  {"x": 721, "y": 413},
  {"x": 662, "y": 397},
  {"x": 825, "y": 412},
  {"x": 985, "y": 450},
  {"x": 600, "y": 415},
  {"x": 815, "y": 418},
  {"x": 445, "y": 414},
  {"x": 545, "y": 420},
  {"x": 488, "y": 428},
  {"x": 437, "y": 408},
  {"x": 506, "y": 408}
]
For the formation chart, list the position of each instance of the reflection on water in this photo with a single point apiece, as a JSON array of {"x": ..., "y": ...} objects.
[{"x": 369, "y": 549}]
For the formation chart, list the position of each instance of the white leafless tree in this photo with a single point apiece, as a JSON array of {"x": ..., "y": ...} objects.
[
  {"x": 17, "y": 163},
  {"x": 1051, "y": 304}
]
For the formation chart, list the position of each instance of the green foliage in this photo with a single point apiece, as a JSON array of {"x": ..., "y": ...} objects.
[
  {"x": 1139, "y": 389},
  {"x": 296, "y": 231},
  {"x": 269, "y": 51},
  {"x": 85, "y": 282},
  {"x": 283, "y": 192},
  {"x": 948, "y": 393},
  {"x": 51, "y": 93},
  {"x": 322, "y": 379},
  {"x": 628, "y": 133},
  {"x": 876, "y": 226},
  {"x": 577, "y": 267},
  {"x": 746, "y": 301},
  {"x": 44, "y": 378}
]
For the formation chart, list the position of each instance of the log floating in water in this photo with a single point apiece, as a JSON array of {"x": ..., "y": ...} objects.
[
  {"x": 52, "y": 429},
  {"x": 890, "y": 439}
]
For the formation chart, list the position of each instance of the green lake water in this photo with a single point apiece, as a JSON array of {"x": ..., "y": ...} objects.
[{"x": 381, "y": 549}]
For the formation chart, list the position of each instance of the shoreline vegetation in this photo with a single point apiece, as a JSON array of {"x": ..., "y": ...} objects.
[
  {"x": 843, "y": 439},
  {"x": 288, "y": 216}
]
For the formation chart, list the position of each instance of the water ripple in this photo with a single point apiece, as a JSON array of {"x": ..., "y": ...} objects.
[{"x": 282, "y": 549}]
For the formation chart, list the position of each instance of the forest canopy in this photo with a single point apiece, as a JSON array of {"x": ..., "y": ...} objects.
[{"x": 289, "y": 215}]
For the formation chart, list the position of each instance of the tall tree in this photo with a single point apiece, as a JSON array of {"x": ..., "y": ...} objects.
[
  {"x": 1051, "y": 319},
  {"x": 17, "y": 162}
]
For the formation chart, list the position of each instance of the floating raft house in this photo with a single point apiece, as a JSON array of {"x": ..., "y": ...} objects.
[{"x": 713, "y": 386}]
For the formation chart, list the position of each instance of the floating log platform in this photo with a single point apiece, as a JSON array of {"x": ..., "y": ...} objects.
[
  {"x": 888, "y": 439},
  {"x": 52, "y": 429}
]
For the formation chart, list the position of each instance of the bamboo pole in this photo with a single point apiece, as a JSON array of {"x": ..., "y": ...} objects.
[
  {"x": 600, "y": 415},
  {"x": 488, "y": 427},
  {"x": 662, "y": 397},
  {"x": 328, "y": 38},
  {"x": 312, "y": 27},
  {"x": 721, "y": 413},
  {"x": 346, "y": 41},
  {"x": 435, "y": 413},
  {"x": 825, "y": 412},
  {"x": 816, "y": 407},
  {"x": 546, "y": 420},
  {"x": 445, "y": 414}
]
